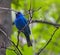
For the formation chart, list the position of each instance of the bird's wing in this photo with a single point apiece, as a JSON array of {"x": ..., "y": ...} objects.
[{"x": 27, "y": 29}]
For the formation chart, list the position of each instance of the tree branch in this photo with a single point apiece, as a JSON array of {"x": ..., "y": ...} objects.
[
  {"x": 30, "y": 11},
  {"x": 18, "y": 38},
  {"x": 45, "y": 22},
  {"x": 40, "y": 50}
]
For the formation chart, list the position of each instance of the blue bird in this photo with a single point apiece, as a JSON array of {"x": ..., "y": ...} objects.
[{"x": 20, "y": 23}]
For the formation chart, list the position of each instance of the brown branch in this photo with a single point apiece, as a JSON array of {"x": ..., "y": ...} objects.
[
  {"x": 45, "y": 22},
  {"x": 40, "y": 50}
]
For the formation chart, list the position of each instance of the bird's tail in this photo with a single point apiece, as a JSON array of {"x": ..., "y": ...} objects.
[{"x": 28, "y": 41}]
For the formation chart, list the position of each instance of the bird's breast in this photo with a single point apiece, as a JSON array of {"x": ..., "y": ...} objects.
[{"x": 19, "y": 24}]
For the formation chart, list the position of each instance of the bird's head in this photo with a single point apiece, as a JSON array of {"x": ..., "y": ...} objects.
[{"x": 18, "y": 14}]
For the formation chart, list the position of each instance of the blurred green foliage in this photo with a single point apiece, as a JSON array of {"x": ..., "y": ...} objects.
[{"x": 50, "y": 11}]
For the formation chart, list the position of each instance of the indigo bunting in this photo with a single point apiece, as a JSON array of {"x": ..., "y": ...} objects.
[{"x": 20, "y": 23}]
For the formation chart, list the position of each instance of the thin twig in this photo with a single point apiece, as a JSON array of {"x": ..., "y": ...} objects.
[
  {"x": 45, "y": 22},
  {"x": 16, "y": 47},
  {"x": 30, "y": 10},
  {"x": 18, "y": 38},
  {"x": 36, "y": 9},
  {"x": 40, "y": 50}
]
